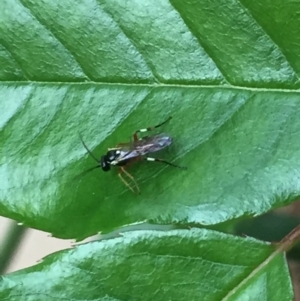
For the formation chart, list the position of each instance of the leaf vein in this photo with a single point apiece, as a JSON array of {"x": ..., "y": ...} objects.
[
  {"x": 213, "y": 133},
  {"x": 15, "y": 60},
  {"x": 43, "y": 130},
  {"x": 202, "y": 45},
  {"x": 187, "y": 86},
  {"x": 71, "y": 53},
  {"x": 251, "y": 275},
  {"x": 19, "y": 109},
  {"x": 147, "y": 62},
  {"x": 269, "y": 36}
]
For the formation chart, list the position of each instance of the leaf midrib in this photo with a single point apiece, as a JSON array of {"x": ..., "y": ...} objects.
[
  {"x": 252, "y": 274},
  {"x": 161, "y": 85}
]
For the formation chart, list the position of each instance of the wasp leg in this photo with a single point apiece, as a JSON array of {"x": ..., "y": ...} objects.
[
  {"x": 122, "y": 169},
  {"x": 125, "y": 182},
  {"x": 133, "y": 180},
  {"x": 165, "y": 162},
  {"x": 151, "y": 128}
]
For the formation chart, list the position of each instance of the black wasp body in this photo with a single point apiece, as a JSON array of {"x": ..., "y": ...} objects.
[{"x": 124, "y": 154}]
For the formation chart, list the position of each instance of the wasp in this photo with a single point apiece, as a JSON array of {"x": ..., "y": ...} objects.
[{"x": 125, "y": 154}]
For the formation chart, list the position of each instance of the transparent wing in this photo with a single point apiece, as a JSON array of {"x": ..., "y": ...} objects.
[{"x": 145, "y": 145}]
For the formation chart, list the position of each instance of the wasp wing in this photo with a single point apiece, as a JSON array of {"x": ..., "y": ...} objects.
[{"x": 145, "y": 145}]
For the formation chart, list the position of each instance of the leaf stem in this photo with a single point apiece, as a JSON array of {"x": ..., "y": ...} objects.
[{"x": 290, "y": 240}]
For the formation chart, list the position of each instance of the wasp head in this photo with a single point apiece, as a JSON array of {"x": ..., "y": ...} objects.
[
  {"x": 105, "y": 165},
  {"x": 109, "y": 159}
]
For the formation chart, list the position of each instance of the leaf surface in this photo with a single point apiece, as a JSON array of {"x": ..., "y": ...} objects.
[
  {"x": 227, "y": 72},
  {"x": 148, "y": 265}
]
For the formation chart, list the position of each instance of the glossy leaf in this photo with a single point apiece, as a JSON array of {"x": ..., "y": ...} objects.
[
  {"x": 148, "y": 265},
  {"x": 226, "y": 71}
]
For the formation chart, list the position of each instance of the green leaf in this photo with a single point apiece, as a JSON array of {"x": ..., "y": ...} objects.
[
  {"x": 227, "y": 72},
  {"x": 148, "y": 265}
]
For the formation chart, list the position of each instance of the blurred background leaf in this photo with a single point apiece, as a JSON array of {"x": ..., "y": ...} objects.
[{"x": 143, "y": 265}]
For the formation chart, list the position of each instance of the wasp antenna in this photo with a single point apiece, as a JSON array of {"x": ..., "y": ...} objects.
[
  {"x": 85, "y": 146},
  {"x": 85, "y": 172}
]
